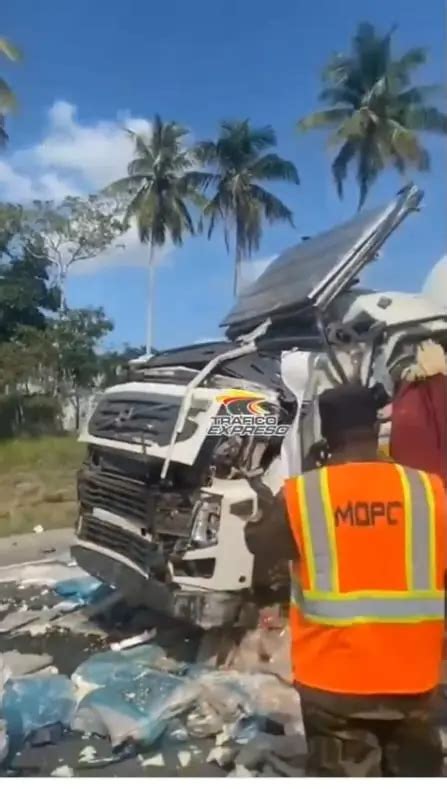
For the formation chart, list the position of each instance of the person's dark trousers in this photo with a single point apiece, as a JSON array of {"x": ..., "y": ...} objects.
[{"x": 398, "y": 740}]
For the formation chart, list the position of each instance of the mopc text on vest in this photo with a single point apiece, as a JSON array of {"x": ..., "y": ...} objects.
[{"x": 369, "y": 513}]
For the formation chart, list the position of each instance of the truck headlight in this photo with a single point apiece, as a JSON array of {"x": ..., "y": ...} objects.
[{"x": 205, "y": 522}]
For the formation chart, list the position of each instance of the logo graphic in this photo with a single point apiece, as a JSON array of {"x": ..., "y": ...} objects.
[
  {"x": 245, "y": 413},
  {"x": 124, "y": 416}
]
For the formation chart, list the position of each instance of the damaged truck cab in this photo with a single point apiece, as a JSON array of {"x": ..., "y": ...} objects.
[{"x": 163, "y": 498}]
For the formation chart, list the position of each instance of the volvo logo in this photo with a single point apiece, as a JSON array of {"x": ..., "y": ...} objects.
[{"x": 124, "y": 416}]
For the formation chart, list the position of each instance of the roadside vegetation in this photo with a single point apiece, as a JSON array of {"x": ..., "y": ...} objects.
[{"x": 38, "y": 483}]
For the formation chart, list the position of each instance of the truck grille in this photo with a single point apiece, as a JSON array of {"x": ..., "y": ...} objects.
[
  {"x": 125, "y": 497},
  {"x": 140, "y": 418},
  {"x": 137, "y": 549},
  {"x": 166, "y": 514}
]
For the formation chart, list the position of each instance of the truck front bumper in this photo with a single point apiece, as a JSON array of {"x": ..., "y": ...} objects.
[{"x": 205, "y": 609}]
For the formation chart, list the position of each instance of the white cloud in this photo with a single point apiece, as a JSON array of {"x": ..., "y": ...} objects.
[
  {"x": 75, "y": 158},
  {"x": 97, "y": 153}
]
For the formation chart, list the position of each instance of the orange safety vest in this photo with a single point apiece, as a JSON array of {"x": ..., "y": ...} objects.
[{"x": 367, "y": 593}]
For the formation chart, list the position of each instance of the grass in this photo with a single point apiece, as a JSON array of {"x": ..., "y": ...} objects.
[{"x": 38, "y": 483}]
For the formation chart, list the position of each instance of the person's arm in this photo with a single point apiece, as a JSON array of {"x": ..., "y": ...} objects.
[{"x": 269, "y": 534}]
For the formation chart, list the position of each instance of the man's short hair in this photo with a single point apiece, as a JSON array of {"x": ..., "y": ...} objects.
[{"x": 347, "y": 408}]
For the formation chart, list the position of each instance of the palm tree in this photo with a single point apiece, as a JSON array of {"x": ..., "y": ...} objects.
[
  {"x": 375, "y": 113},
  {"x": 161, "y": 189},
  {"x": 7, "y": 98},
  {"x": 240, "y": 160}
]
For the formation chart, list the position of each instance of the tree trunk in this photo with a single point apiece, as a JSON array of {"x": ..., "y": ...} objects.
[{"x": 150, "y": 303}]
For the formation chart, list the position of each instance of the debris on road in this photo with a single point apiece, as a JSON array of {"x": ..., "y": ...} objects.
[
  {"x": 20, "y": 664},
  {"x": 38, "y": 529},
  {"x": 32, "y": 703},
  {"x": 17, "y": 619},
  {"x": 88, "y": 754},
  {"x": 140, "y": 700},
  {"x": 64, "y": 771},
  {"x": 82, "y": 590},
  {"x": 133, "y": 641}
]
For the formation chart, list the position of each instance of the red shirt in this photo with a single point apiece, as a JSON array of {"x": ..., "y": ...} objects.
[{"x": 418, "y": 426}]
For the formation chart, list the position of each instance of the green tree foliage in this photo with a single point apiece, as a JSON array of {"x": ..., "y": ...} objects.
[
  {"x": 375, "y": 113},
  {"x": 77, "y": 229},
  {"x": 7, "y": 98},
  {"x": 240, "y": 161},
  {"x": 26, "y": 292},
  {"x": 161, "y": 189}
]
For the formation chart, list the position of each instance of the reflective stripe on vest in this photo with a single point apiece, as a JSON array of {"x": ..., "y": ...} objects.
[
  {"x": 323, "y": 602},
  {"x": 365, "y": 607}
]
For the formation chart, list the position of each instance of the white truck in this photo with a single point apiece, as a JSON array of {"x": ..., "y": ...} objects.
[{"x": 163, "y": 498}]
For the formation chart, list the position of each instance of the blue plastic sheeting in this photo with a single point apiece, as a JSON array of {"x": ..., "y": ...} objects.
[
  {"x": 133, "y": 699},
  {"x": 139, "y": 713},
  {"x": 30, "y": 703},
  {"x": 121, "y": 668},
  {"x": 82, "y": 590}
]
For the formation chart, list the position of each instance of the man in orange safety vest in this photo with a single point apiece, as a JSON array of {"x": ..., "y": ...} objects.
[{"x": 366, "y": 542}]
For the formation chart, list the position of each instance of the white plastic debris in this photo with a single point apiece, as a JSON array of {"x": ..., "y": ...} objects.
[
  {"x": 157, "y": 760},
  {"x": 184, "y": 758},
  {"x": 38, "y": 529},
  {"x": 133, "y": 641},
  {"x": 42, "y": 573},
  {"x": 64, "y": 771},
  {"x": 221, "y": 755},
  {"x": 88, "y": 754}
]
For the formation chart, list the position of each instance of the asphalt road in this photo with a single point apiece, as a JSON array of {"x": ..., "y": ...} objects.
[{"x": 69, "y": 642}]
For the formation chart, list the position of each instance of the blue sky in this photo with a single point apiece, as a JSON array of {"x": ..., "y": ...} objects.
[{"x": 91, "y": 66}]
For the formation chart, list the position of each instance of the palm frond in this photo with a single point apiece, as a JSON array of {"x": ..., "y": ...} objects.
[
  {"x": 194, "y": 179},
  {"x": 10, "y": 50},
  {"x": 425, "y": 119},
  {"x": 205, "y": 152},
  {"x": 257, "y": 138},
  {"x": 3, "y": 134},
  {"x": 412, "y": 59},
  {"x": 274, "y": 209},
  {"x": 214, "y": 212},
  {"x": 187, "y": 222},
  {"x": 341, "y": 162},
  {"x": 8, "y": 101},
  {"x": 125, "y": 185},
  {"x": 272, "y": 167},
  {"x": 406, "y": 144},
  {"x": 419, "y": 94},
  {"x": 369, "y": 165},
  {"x": 324, "y": 118},
  {"x": 141, "y": 166},
  {"x": 352, "y": 128}
]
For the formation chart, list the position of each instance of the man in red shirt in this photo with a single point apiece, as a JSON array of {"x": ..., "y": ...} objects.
[{"x": 419, "y": 415}]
